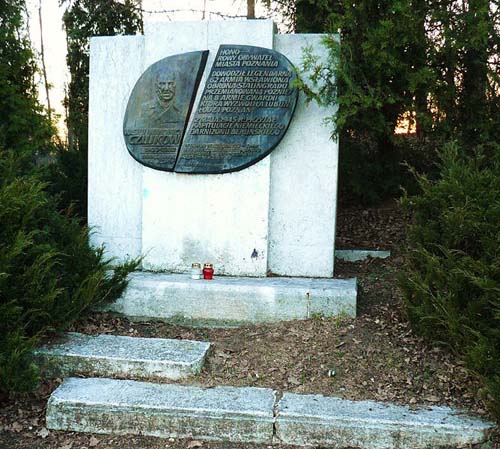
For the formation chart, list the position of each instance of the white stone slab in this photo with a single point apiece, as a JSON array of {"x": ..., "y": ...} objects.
[
  {"x": 109, "y": 355},
  {"x": 303, "y": 191},
  {"x": 222, "y": 219},
  {"x": 314, "y": 420},
  {"x": 277, "y": 215},
  {"x": 170, "y": 38},
  {"x": 355, "y": 255},
  {"x": 123, "y": 407},
  {"x": 233, "y": 301},
  {"x": 115, "y": 178}
]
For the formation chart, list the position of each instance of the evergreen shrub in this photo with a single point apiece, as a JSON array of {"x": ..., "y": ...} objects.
[
  {"x": 49, "y": 275},
  {"x": 452, "y": 281},
  {"x": 368, "y": 175}
]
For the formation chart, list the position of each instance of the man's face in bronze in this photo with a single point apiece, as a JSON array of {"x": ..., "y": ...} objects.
[{"x": 165, "y": 90}]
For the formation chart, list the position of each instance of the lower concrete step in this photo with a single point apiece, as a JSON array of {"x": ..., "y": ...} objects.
[
  {"x": 314, "y": 420},
  {"x": 129, "y": 407},
  {"x": 109, "y": 355},
  {"x": 248, "y": 414},
  {"x": 233, "y": 301}
]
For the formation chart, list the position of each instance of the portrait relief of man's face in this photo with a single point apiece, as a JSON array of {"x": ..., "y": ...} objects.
[{"x": 165, "y": 90}]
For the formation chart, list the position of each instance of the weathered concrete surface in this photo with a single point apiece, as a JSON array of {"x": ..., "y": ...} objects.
[
  {"x": 115, "y": 178},
  {"x": 232, "y": 301},
  {"x": 128, "y": 407},
  {"x": 303, "y": 194},
  {"x": 355, "y": 255},
  {"x": 109, "y": 355},
  {"x": 311, "y": 420},
  {"x": 221, "y": 219},
  {"x": 246, "y": 414}
]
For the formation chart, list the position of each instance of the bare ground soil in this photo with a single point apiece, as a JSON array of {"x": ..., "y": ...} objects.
[{"x": 374, "y": 356}]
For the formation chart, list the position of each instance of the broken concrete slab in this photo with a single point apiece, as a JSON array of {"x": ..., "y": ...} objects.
[
  {"x": 233, "y": 301},
  {"x": 315, "y": 420},
  {"x": 355, "y": 255},
  {"x": 119, "y": 356},
  {"x": 120, "y": 407}
]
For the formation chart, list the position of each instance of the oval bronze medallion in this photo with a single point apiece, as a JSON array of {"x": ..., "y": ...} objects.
[{"x": 245, "y": 109}]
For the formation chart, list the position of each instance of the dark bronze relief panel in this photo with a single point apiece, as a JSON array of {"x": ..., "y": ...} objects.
[
  {"x": 159, "y": 108},
  {"x": 245, "y": 109}
]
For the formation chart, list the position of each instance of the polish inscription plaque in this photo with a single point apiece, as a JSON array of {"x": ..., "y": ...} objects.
[{"x": 244, "y": 111}]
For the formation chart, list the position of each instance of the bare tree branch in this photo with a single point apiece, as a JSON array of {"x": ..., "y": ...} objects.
[{"x": 42, "y": 55}]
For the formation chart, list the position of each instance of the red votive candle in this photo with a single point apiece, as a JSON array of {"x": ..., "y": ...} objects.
[{"x": 208, "y": 271}]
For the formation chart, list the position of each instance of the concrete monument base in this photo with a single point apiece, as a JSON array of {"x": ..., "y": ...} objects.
[{"x": 233, "y": 301}]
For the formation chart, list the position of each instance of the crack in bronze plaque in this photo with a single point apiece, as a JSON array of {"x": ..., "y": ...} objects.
[{"x": 245, "y": 109}]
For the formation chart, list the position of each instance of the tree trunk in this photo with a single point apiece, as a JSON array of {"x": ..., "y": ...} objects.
[
  {"x": 475, "y": 80},
  {"x": 421, "y": 92},
  {"x": 42, "y": 55},
  {"x": 250, "y": 9}
]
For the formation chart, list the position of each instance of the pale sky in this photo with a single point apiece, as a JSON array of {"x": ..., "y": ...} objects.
[
  {"x": 160, "y": 10},
  {"x": 54, "y": 40}
]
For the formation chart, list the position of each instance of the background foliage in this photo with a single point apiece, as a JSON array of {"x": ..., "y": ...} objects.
[
  {"x": 23, "y": 124},
  {"x": 49, "y": 275},
  {"x": 83, "y": 19},
  {"x": 434, "y": 62}
]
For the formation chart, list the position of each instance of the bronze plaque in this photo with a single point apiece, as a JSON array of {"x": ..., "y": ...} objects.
[
  {"x": 245, "y": 109},
  {"x": 159, "y": 108}
]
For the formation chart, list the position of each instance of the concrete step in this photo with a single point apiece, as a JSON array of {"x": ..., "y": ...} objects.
[
  {"x": 315, "y": 420},
  {"x": 128, "y": 407},
  {"x": 108, "y": 355},
  {"x": 248, "y": 414},
  {"x": 233, "y": 301}
]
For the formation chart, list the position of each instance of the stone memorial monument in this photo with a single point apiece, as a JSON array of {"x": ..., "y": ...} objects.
[{"x": 202, "y": 149}]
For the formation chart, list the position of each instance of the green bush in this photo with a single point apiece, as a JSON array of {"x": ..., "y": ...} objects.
[
  {"x": 49, "y": 275},
  {"x": 452, "y": 280},
  {"x": 368, "y": 175}
]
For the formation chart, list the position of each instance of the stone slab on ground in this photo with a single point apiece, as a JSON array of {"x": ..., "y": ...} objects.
[
  {"x": 355, "y": 255},
  {"x": 110, "y": 406},
  {"x": 315, "y": 420},
  {"x": 109, "y": 355},
  {"x": 233, "y": 301}
]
